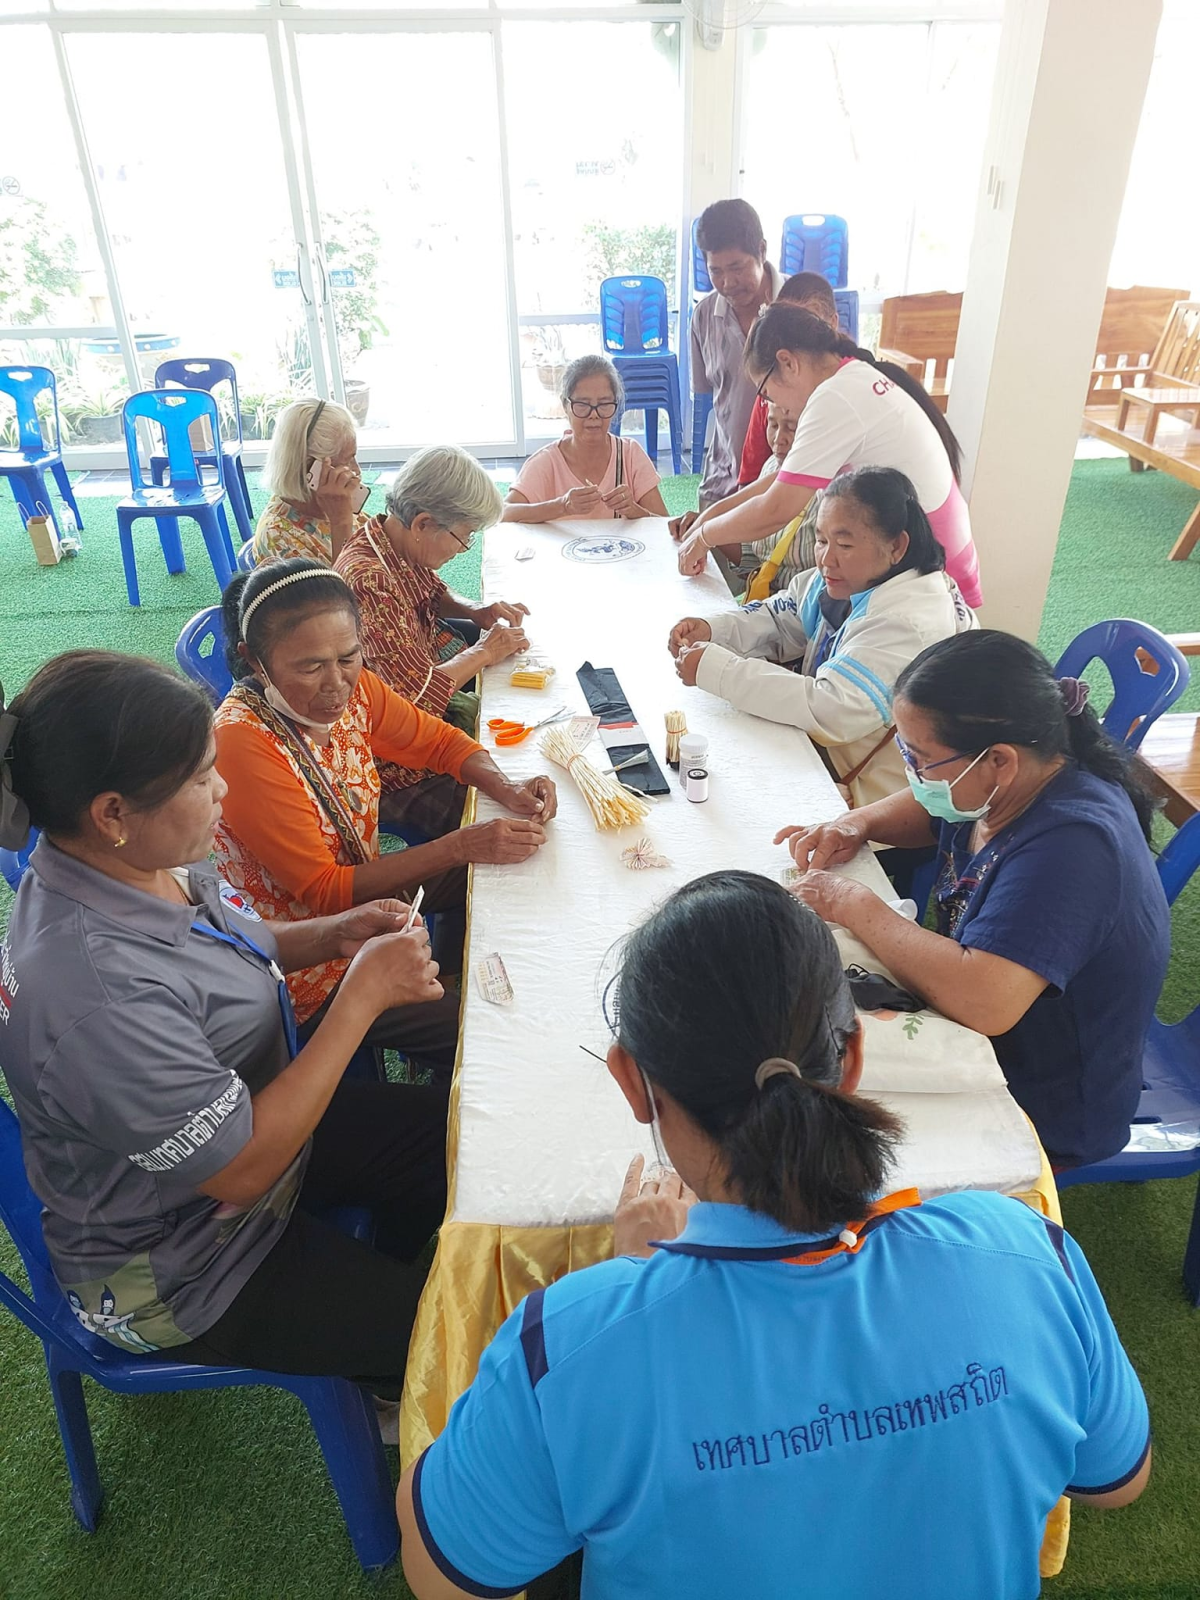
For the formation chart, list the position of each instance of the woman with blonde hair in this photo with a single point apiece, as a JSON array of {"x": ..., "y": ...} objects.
[{"x": 316, "y": 488}]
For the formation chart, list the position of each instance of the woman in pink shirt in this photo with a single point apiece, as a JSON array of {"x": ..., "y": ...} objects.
[{"x": 589, "y": 472}]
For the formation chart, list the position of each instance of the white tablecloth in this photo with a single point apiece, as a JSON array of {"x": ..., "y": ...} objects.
[{"x": 544, "y": 1135}]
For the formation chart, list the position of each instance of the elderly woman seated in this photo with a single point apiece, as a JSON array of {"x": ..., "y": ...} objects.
[
  {"x": 298, "y": 737},
  {"x": 589, "y": 472},
  {"x": 434, "y": 508},
  {"x": 317, "y": 492}
]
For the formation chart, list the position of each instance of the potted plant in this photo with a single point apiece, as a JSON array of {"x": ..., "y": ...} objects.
[{"x": 92, "y": 416}]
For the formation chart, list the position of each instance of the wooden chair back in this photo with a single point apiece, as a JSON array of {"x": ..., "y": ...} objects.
[
  {"x": 923, "y": 327},
  {"x": 1131, "y": 330},
  {"x": 1177, "y": 354}
]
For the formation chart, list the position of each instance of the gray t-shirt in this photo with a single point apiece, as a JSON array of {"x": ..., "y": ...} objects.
[
  {"x": 132, "y": 1045},
  {"x": 717, "y": 347}
]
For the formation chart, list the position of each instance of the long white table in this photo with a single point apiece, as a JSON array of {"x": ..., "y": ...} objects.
[{"x": 540, "y": 1137}]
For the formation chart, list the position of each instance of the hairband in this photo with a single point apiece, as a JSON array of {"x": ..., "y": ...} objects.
[
  {"x": 14, "y": 813},
  {"x": 312, "y": 422},
  {"x": 274, "y": 588},
  {"x": 772, "y": 1067},
  {"x": 1074, "y": 695}
]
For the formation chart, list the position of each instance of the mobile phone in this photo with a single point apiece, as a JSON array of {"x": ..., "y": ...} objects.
[{"x": 315, "y": 473}]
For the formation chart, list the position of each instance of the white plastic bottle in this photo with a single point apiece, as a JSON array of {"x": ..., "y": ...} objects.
[{"x": 69, "y": 542}]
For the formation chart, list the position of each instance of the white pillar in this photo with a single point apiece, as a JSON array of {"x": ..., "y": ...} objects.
[{"x": 1070, "y": 81}]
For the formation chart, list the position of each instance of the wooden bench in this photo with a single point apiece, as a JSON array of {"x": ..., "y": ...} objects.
[
  {"x": 1170, "y": 752},
  {"x": 1130, "y": 329},
  {"x": 1169, "y": 385},
  {"x": 919, "y": 329},
  {"x": 919, "y": 333}
]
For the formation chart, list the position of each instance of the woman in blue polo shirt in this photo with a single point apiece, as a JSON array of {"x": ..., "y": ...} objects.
[
  {"x": 1052, "y": 927},
  {"x": 816, "y": 1388}
]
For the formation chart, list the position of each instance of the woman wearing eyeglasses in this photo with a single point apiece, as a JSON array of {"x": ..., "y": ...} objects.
[
  {"x": 317, "y": 492},
  {"x": 1052, "y": 926},
  {"x": 590, "y": 472}
]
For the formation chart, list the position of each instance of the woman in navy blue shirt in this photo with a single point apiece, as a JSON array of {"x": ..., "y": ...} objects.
[{"x": 1052, "y": 927}]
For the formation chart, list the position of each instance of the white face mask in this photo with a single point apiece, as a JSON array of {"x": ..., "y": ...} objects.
[{"x": 277, "y": 703}]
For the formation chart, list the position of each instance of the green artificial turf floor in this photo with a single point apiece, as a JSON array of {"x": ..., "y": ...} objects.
[{"x": 223, "y": 1495}]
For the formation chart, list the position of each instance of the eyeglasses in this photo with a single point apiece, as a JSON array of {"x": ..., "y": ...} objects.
[
  {"x": 915, "y": 767},
  {"x": 466, "y": 543},
  {"x": 767, "y": 376},
  {"x": 602, "y": 408}
]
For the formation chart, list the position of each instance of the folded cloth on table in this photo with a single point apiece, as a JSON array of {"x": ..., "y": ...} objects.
[{"x": 619, "y": 730}]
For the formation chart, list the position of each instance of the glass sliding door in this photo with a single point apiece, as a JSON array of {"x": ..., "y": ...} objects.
[
  {"x": 596, "y": 183},
  {"x": 54, "y": 302},
  {"x": 402, "y": 136},
  {"x": 196, "y": 201}
]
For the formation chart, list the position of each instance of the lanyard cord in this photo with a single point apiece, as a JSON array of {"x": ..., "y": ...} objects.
[{"x": 244, "y": 943}]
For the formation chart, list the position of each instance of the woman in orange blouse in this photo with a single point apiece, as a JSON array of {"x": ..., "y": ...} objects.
[
  {"x": 297, "y": 740},
  {"x": 441, "y": 497}
]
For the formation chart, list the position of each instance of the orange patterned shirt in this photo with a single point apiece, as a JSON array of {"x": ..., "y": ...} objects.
[{"x": 275, "y": 840}]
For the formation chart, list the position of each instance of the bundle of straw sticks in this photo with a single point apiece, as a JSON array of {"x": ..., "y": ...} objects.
[{"x": 612, "y": 805}]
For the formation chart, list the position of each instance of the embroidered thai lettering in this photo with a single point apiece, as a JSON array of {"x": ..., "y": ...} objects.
[{"x": 831, "y": 1429}]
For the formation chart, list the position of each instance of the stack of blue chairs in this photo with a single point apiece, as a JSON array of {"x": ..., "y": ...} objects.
[
  {"x": 635, "y": 326},
  {"x": 27, "y": 465},
  {"x": 816, "y": 241}
]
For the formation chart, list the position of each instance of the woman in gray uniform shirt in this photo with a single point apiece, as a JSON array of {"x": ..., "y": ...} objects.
[{"x": 176, "y": 1137}]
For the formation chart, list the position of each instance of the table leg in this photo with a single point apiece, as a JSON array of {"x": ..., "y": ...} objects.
[{"x": 1186, "y": 542}]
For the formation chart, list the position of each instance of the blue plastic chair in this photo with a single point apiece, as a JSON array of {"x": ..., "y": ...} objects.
[
  {"x": 846, "y": 301},
  {"x": 14, "y": 862},
  {"x": 245, "y": 557},
  {"x": 1170, "y": 1080},
  {"x": 635, "y": 327},
  {"x": 341, "y": 1413},
  {"x": 200, "y": 652},
  {"x": 173, "y": 411},
  {"x": 207, "y": 373},
  {"x": 27, "y": 465},
  {"x": 1148, "y": 673},
  {"x": 701, "y": 411},
  {"x": 815, "y": 241},
  {"x": 701, "y": 282}
]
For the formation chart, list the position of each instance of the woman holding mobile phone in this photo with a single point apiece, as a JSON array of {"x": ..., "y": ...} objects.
[{"x": 317, "y": 492}]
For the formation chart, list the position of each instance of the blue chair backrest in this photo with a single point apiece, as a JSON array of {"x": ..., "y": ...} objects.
[
  {"x": 23, "y": 385},
  {"x": 1148, "y": 673},
  {"x": 202, "y": 372},
  {"x": 245, "y": 557},
  {"x": 816, "y": 242},
  {"x": 200, "y": 652},
  {"x": 633, "y": 316},
  {"x": 14, "y": 862},
  {"x": 701, "y": 282},
  {"x": 1180, "y": 858},
  {"x": 172, "y": 411}
]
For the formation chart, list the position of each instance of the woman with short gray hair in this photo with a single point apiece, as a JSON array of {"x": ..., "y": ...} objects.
[
  {"x": 414, "y": 628},
  {"x": 589, "y": 472}
]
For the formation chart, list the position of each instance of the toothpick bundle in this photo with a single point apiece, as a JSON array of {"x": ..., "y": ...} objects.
[
  {"x": 612, "y": 805},
  {"x": 676, "y": 727}
]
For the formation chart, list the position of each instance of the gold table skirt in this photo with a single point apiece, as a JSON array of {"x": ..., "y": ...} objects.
[{"x": 482, "y": 1272}]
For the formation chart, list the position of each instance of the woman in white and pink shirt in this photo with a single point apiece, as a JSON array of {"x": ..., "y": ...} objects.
[{"x": 854, "y": 412}]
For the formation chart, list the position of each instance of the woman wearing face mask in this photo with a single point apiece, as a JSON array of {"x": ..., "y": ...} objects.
[
  {"x": 297, "y": 741},
  {"x": 854, "y": 411},
  {"x": 692, "y": 1414},
  {"x": 878, "y": 597},
  {"x": 1053, "y": 931}
]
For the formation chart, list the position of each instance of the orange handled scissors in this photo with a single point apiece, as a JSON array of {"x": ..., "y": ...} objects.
[{"x": 508, "y": 733}]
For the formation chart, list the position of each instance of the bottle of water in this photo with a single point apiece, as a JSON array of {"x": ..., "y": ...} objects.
[{"x": 69, "y": 543}]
